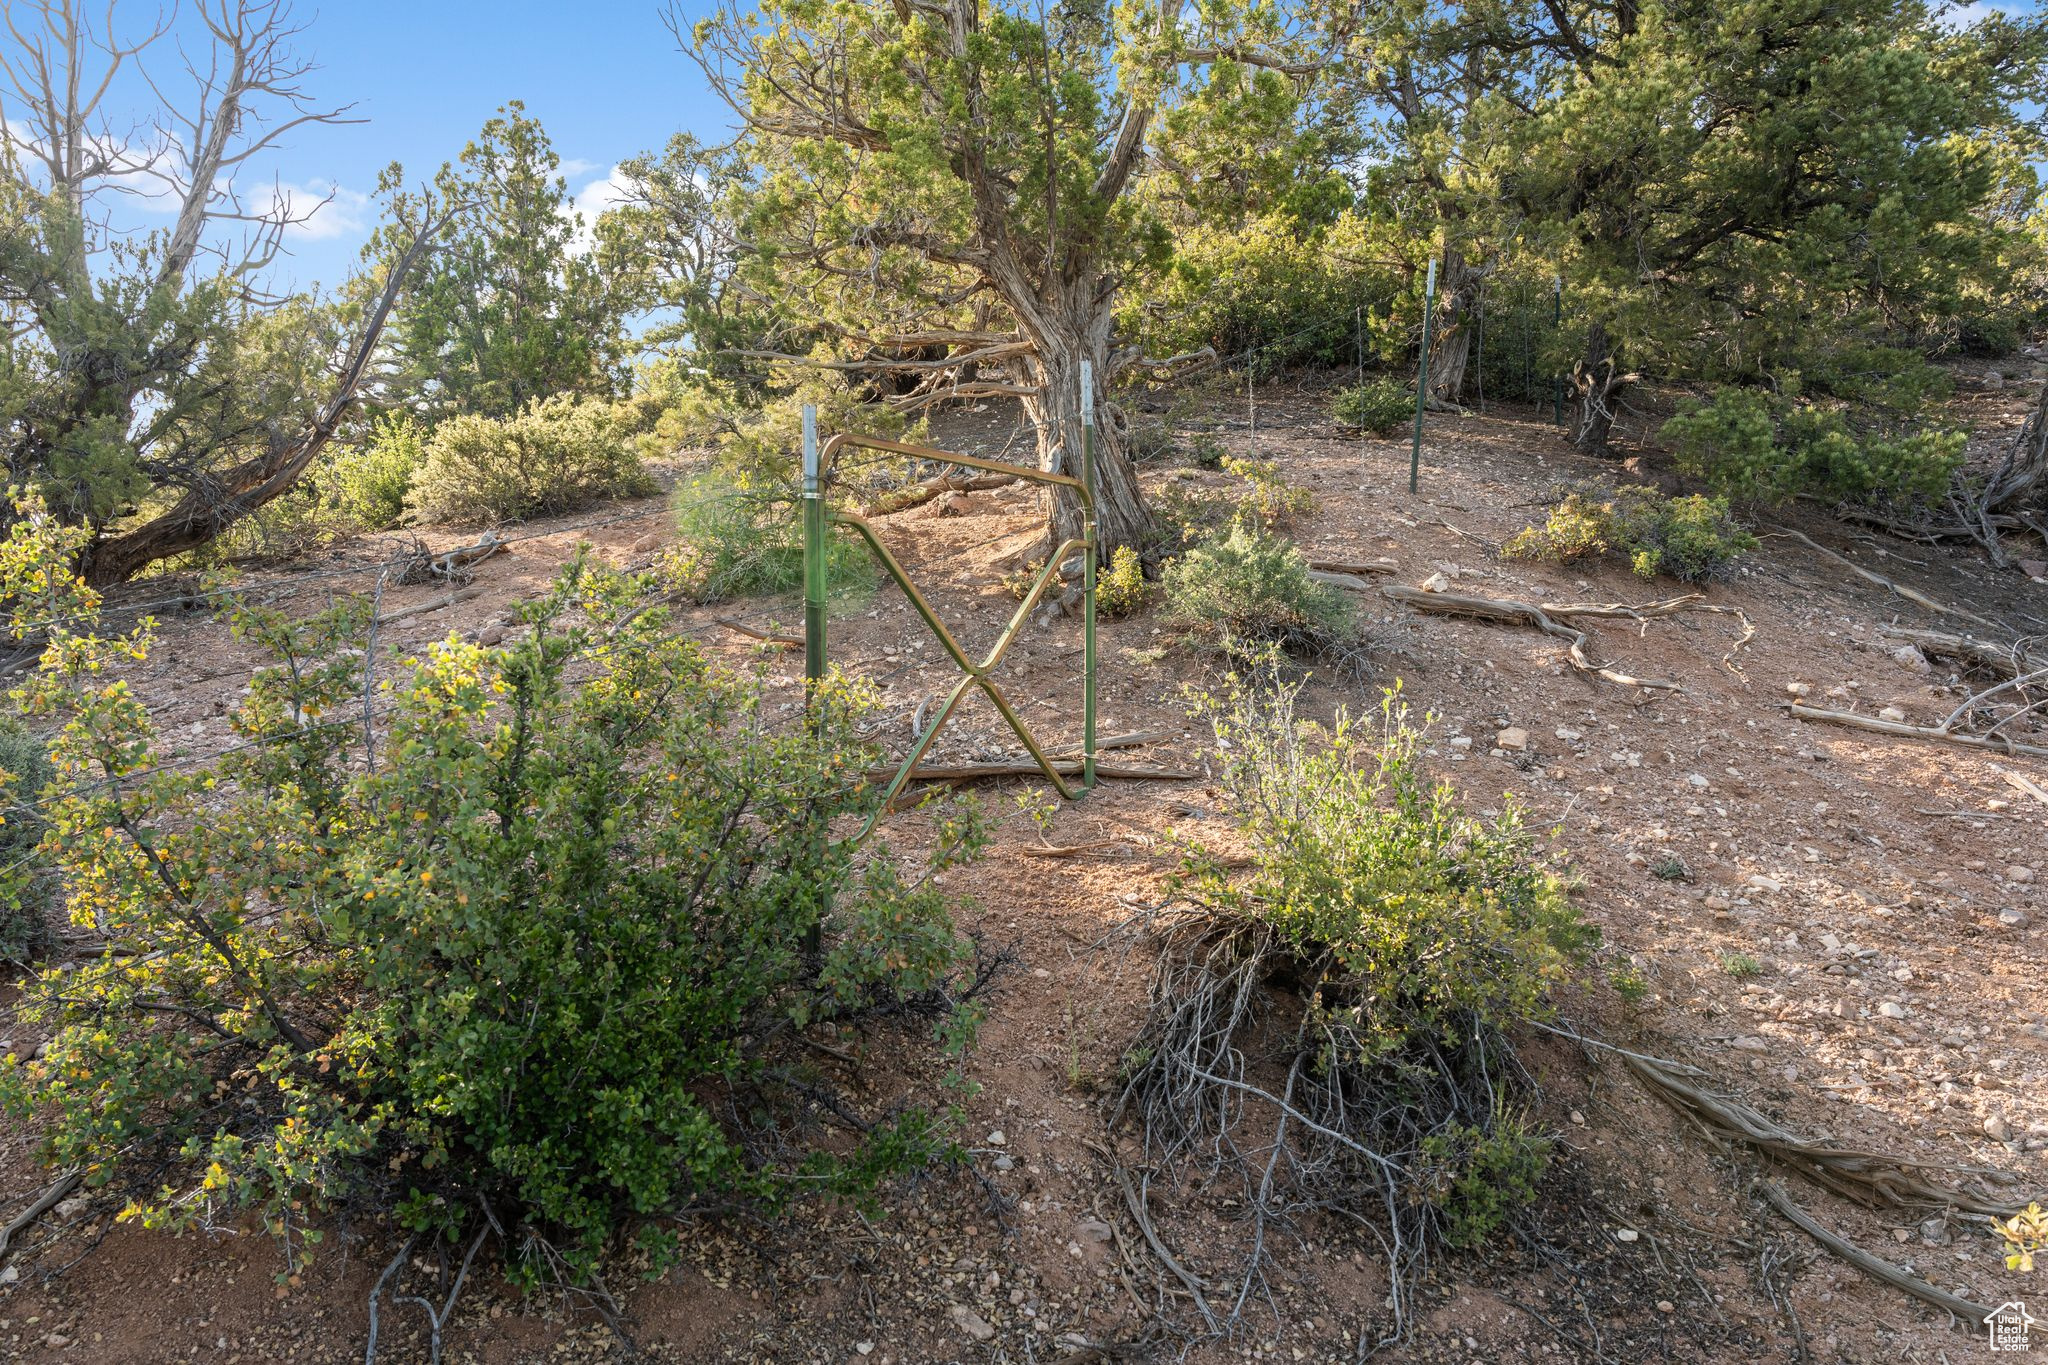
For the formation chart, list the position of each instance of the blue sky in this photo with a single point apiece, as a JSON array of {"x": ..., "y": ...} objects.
[{"x": 604, "y": 78}]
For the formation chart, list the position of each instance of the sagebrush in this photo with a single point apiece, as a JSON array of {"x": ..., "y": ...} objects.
[
  {"x": 1248, "y": 588},
  {"x": 1356, "y": 979},
  {"x": 554, "y": 455}
]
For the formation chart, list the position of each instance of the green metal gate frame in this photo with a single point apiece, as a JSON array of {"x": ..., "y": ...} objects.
[{"x": 819, "y": 518}]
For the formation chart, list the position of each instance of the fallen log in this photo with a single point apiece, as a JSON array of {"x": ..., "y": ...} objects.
[
  {"x": 2006, "y": 660},
  {"x": 423, "y": 608},
  {"x": 1353, "y": 566},
  {"x": 1907, "y": 730},
  {"x": 966, "y": 772}
]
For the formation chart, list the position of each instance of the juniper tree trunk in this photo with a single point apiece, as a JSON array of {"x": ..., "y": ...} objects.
[
  {"x": 1055, "y": 409},
  {"x": 1597, "y": 385}
]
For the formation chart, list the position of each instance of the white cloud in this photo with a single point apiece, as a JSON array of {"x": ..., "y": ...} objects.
[
  {"x": 606, "y": 191},
  {"x": 1975, "y": 12},
  {"x": 345, "y": 213}
]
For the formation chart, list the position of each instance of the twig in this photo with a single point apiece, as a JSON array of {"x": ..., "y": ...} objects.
[
  {"x": 2022, "y": 783},
  {"x": 376, "y": 1293}
]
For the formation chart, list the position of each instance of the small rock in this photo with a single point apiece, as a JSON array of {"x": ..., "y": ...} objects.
[
  {"x": 491, "y": 635},
  {"x": 1831, "y": 943},
  {"x": 1845, "y": 1009},
  {"x": 1512, "y": 738},
  {"x": 56, "y": 1341},
  {"x": 1911, "y": 659},
  {"x": 2013, "y": 919},
  {"x": 73, "y": 1207},
  {"x": 1892, "y": 713},
  {"x": 1625, "y": 1234},
  {"x": 1934, "y": 1232},
  {"x": 1666, "y": 1306},
  {"x": 1462, "y": 742},
  {"x": 1005, "y": 1162},
  {"x": 2036, "y": 569},
  {"x": 1751, "y": 1044},
  {"x": 971, "y": 1322},
  {"x": 1892, "y": 1009},
  {"x": 998, "y": 1139},
  {"x": 646, "y": 545},
  {"x": 1568, "y": 736},
  {"x": 1997, "y": 1129},
  {"x": 1040, "y": 974},
  {"x": 1436, "y": 582},
  {"x": 2017, "y": 873},
  {"x": 1993, "y": 380},
  {"x": 1763, "y": 883},
  {"x": 1798, "y": 689},
  {"x": 1094, "y": 1230},
  {"x": 1697, "y": 782},
  {"x": 1578, "y": 1118}
]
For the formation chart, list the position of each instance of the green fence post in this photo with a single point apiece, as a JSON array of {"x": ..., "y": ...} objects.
[
  {"x": 814, "y": 560},
  {"x": 814, "y": 635},
  {"x": 1422, "y": 378},
  {"x": 1088, "y": 577},
  {"x": 1557, "y": 326}
]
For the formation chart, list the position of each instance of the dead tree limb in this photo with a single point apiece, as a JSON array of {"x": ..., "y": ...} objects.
[
  {"x": 1909, "y": 731},
  {"x": 1542, "y": 618},
  {"x": 918, "y": 494},
  {"x": 1875, "y": 1267},
  {"x": 1912, "y": 595},
  {"x": 767, "y": 637},
  {"x": 51, "y": 1196}
]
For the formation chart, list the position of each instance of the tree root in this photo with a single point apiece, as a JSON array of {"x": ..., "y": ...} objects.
[
  {"x": 1994, "y": 744},
  {"x": 1545, "y": 617}
]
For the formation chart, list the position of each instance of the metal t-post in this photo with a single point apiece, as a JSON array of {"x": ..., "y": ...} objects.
[
  {"x": 814, "y": 561},
  {"x": 1422, "y": 378},
  {"x": 814, "y": 638},
  {"x": 1088, "y": 578},
  {"x": 1557, "y": 381}
]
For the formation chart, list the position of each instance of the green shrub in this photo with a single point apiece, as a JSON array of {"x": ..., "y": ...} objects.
[
  {"x": 26, "y": 877},
  {"x": 1269, "y": 498},
  {"x": 1380, "y": 406},
  {"x": 741, "y": 542},
  {"x": 1247, "y": 588},
  {"x": 555, "y": 456},
  {"x": 1690, "y": 538},
  {"x": 1754, "y": 446},
  {"x": 1376, "y": 949},
  {"x": 548, "y": 967},
  {"x": 369, "y": 483},
  {"x": 1120, "y": 589},
  {"x": 1574, "y": 529}
]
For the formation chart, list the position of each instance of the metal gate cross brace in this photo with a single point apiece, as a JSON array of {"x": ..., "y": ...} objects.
[{"x": 818, "y": 516}]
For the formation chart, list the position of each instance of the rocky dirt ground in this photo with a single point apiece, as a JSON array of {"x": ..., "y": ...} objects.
[{"x": 1845, "y": 928}]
